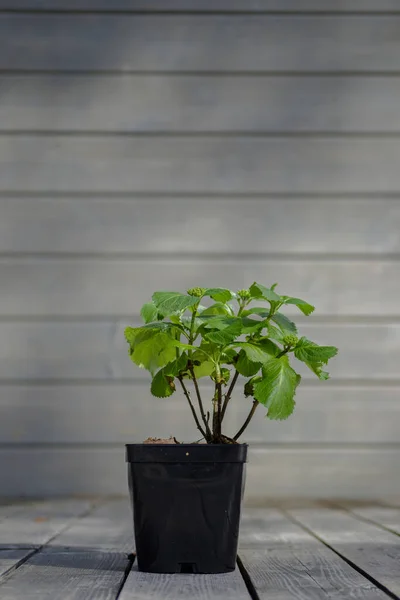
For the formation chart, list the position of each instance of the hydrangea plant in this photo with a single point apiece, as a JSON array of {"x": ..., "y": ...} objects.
[{"x": 237, "y": 334}]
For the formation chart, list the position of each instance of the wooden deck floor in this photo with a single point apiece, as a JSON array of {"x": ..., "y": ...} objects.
[{"x": 79, "y": 550}]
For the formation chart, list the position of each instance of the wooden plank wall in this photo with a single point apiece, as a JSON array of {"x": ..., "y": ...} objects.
[{"x": 164, "y": 143}]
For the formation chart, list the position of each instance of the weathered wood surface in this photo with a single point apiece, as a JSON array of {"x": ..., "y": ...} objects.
[
  {"x": 280, "y": 559},
  {"x": 207, "y": 225},
  {"x": 108, "y": 528},
  {"x": 44, "y": 413},
  {"x": 297, "y": 471},
  {"x": 229, "y": 43},
  {"x": 256, "y": 6},
  {"x": 190, "y": 104},
  {"x": 109, "y": 287},
  {"x": 384, "y": 516},
  {"x": 92, "y": 350},
  {"x": 12, "y": 558},
  {"x": 147, "y": 586},
  {"x": 67, "y": 576},
  {"x": 202, "y": 164},
  {"x": 368, "y": 547},
  {"x": 283, "y": 561},
  {"x": 39, "y": 522}
]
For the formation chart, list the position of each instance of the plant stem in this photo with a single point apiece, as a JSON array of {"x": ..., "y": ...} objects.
[
  {"x": 247, "y": 421},
  {"x": 201, "y": 407},
  {"x": 187, "y": 394},
  {"x": 229, "y": 394},
  {"x": 217, "y": 413}
]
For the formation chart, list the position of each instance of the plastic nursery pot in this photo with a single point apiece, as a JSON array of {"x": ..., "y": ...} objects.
[{"x": 186, "y": 501}]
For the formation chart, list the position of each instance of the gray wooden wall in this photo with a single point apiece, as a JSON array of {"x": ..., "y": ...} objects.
[{"x": 157, "y": 144}]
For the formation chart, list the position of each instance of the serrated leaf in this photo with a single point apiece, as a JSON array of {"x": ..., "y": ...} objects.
[
  {"x": 149, "y": 312},
  {"x": 226, "y": 335},
  {"x": 285, "y": 324},
  {"x": 245, "y": 366},
  {"x": 260, "y": 352},
  {"x": 304, "y": 306},
  {"x": 219, "y": 294},
  {"x": 218, "y": 309},
  {"x": 311, "y": 352},
  {"x": 317, "y": 369},
  {"x": 262, "y": 311},
  {"x": 251, "y": 325},
  {"x": 277, "y": 388},
  {"x": 169, "y": 303},
  {"x": 260, "y": 291},
  {"x": 152, "y": 349},
  {"x": 162, "y": 385},
  {"x": 176, "y": 366},
  {"x": 275, "y": 334}
]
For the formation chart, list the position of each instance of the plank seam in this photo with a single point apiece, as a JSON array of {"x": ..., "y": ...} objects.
[
  {"x": 206, "y": 12},
  {"x": 359, "y": 517},
  {"x": 194, "y": 72},
  {"x": 221, "y": 134},
  {"x": 361, "y": 571},
  {"x": 26, "y": 558},
  {"x": 128, "y": 568},
  {"x": 247, "y": 580}
]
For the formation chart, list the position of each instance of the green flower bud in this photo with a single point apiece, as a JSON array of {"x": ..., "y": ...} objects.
[
  {"x": 196, "y": 292},
  {"x": 290, "y": 340},
  {"x": 244, "y": 294}
]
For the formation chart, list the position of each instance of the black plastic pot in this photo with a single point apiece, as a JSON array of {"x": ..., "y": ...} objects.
[{"x": 186, "y": 501}]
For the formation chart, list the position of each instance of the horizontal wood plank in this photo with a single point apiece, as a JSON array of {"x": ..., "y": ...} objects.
[
  {"x": 297, "y": 472},
  {"x": 67, "y": 575},
  {"x": 181, "y": 587},
  {"x": 113, "y": 414},
  {"x": 39, "y": 522},
  {"x": 284, "y": 561},
  {"x": 335, "y": 6},
  {"x": 199, "y": 43},
  {"x": 384, "y": 516},
  {"x": 206, "y": 225},
  {"x": 109, "y": 288},
  {"x": 369, "y": 548},
  {"x": 108, "y": 528},
  {"x": 11, "y": 559},
  {"x": 203, "y": 165},
  {"x": 157, "y": 103},
  {"x": 98, "y": 351}
]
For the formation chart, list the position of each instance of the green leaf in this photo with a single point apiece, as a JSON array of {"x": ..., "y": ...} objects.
[
  {"x": 152, "y": 349},
  {"x": 275, "y": 334},
  {"x": 176, "y": 366},
  {"x": 219, "y": 294},
  {"x": 226, "y": 335},
  {"x": 251, "y": 325},
  {"x": 304, "y": 306},
  {"x": 169, "y": 303},
  {"x": 162, "y": 385},
  {"x": 260, "y": 352},
  {"x": 245, "y": 366},
  {"x": 204, "y": 369},
  {"x": 277, "y": 388},
  {"x": 311, "y": 352},
  {"x": 218, "y": 309},
  {"x": 317, "y": 369},
  {"x": 149, "y": 312},
  {"x": 285, "y": 324},
  {"x": 260, "y": 291},
  {"x": 256, "y": 310}
]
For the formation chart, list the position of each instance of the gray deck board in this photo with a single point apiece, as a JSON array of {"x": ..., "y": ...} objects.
[
  {"x": 146, "y": 586},
  {"x": 385, "y": 516},
  {"x": 108, "y": 528},
  {"x": 284, "y": 561},
  {"x": 368, "y": 547},
  {"x": 78, "y": 550},
  {"x": 67, "y": 576},
  {"x": 35, "y": 525}
]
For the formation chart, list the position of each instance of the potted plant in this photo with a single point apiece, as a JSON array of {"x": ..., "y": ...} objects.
[{"x": 186, "y": 497}]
